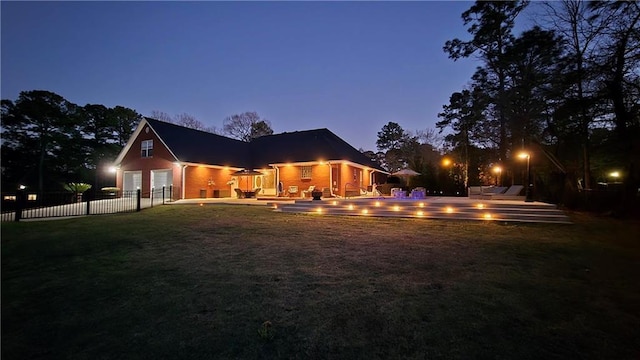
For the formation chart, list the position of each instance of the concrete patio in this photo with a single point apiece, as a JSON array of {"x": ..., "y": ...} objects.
[{"x": 437, "y": 207}]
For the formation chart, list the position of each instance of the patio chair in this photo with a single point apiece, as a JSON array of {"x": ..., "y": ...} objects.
[
  {"x": 256, "y": 191},
  {"x": 239, "y": 193},
  {"x": 293, "y": 191},
  {"x": 398, "y": 193},
  {"x": 307, "y": 193},
  {"x": 418, "y": 193}
]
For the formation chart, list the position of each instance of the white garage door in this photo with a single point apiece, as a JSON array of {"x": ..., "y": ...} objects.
[
  {"x": 132, "y": 180},
  {"x": 160, "y": 178}
]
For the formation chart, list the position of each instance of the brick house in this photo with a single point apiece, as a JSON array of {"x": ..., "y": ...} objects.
[{"x": 201, "y": 164}]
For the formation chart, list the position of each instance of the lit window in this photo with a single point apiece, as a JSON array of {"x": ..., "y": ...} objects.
[
  {"x": 10, "y": 197},
  {"x": 305, "y": 172},
  {"x": 147, "y": 148}
]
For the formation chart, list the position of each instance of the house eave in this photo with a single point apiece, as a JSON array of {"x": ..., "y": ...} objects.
[
  {"x": 222, "y": 167},
  {"x": 328, "y": 162}
]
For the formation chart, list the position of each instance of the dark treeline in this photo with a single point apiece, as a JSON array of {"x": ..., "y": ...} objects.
[
  {"x": 566, "y": 91},
  {"x": 48, "y": 141}
]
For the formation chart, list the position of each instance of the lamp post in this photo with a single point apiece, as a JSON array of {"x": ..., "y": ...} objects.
[
  {"x": 447, "y": 164},
  {"x": 498, "y": 171},
  {"x": 109, "y": 169},
  {"x": 529, "y": 188}
]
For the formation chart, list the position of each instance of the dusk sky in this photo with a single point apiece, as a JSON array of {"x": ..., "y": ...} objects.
[{"x": 348, "y": 66}]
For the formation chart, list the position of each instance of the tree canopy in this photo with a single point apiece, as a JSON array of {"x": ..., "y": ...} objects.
[
  {"x": 565, "y": 89},
  {"x": 48, "y": 141},
  {"x": 183, "y": 119},
  {"x": 246, "y": 126}
]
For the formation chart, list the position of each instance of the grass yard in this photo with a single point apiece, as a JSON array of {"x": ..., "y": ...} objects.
[{"x": 199, "y": 282}]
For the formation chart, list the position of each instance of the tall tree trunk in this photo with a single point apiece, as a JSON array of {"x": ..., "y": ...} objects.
[
  {"x": 466, "y": 160},
  {"x": 584, "y": 130},
  {"x": 41, "y": 170},
  {"x": 503, "y": 121}
]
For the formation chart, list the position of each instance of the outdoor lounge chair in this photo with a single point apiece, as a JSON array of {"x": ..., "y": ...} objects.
[
  {"x": 478, "y": 192},
  {"x": 239, "y": 193},
  {"x": 474, "y": 192},
  {"x": 256, "y": 191},
  {"x": 512, "y": 193},
  {"x": 493, "y": 190},
  {"x": 293, "y": 191}
]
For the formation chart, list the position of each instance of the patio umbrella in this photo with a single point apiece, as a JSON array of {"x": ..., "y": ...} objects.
[
  {"x": 247, "y": 174},
  {"x": 406, "y": 172}
]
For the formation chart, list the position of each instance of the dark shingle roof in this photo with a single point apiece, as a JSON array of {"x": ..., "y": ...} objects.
[
  {"x": 201, "y": 147},
  {"x": 196, "y": 146},
  {"x": 309, "y": 145}
]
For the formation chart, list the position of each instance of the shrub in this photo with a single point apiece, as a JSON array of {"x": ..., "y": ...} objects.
[{"x": 77, "y": 188}]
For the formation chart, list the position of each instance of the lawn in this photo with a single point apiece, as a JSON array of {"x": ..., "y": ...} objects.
[{"x": 200, "y": 282}]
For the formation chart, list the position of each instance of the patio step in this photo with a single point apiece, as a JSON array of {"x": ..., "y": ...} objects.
[{"x": 432, "y": 208}]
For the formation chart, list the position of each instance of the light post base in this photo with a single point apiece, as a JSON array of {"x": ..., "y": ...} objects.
[{"x": 529, "y": 195}]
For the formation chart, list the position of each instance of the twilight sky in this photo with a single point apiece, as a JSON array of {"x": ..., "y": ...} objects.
[{"x": 348, "y": 66}]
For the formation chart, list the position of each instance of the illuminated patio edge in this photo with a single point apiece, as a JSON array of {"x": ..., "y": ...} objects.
[
  {"x": 389, "y": 207},
  {"x": 430, "y": 208}
]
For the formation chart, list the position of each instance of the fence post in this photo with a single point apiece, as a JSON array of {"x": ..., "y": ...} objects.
[
  {"x": 20, "y": 200},
  {"x": 138, "y": 196},
  {"x": 163, "y": 194},
  {"x": 88, "y": 197}
]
